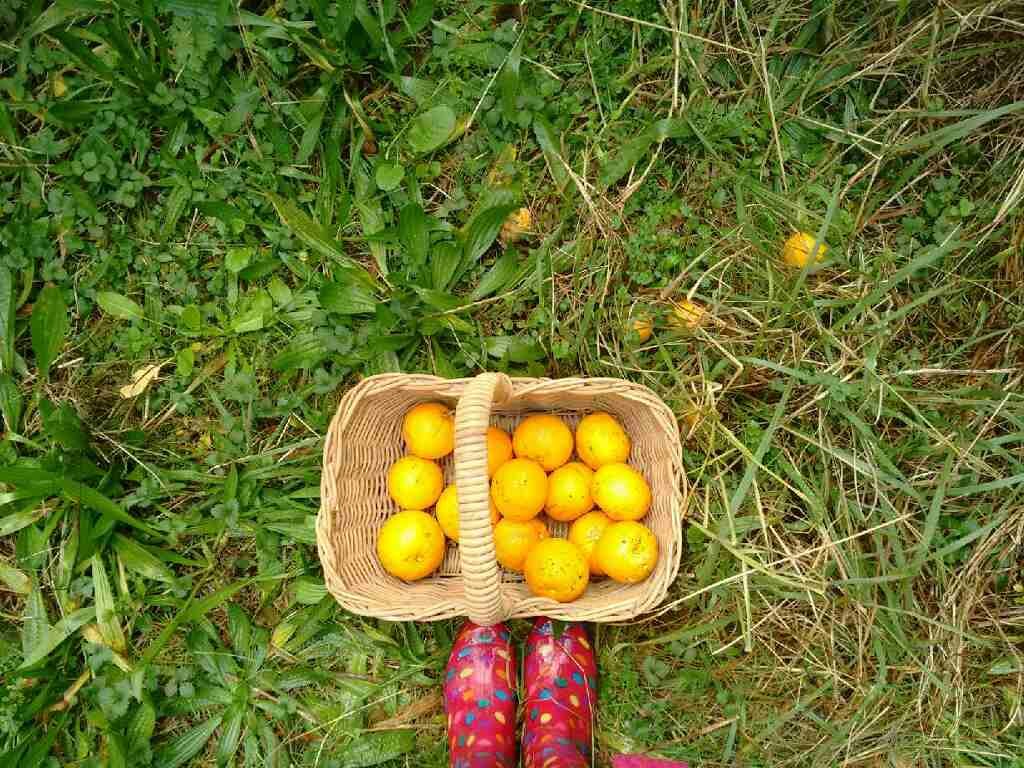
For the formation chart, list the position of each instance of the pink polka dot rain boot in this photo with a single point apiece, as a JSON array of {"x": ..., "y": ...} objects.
[
  {"x": 561, "y": 693},
  {"x": 480, "y": 698}
]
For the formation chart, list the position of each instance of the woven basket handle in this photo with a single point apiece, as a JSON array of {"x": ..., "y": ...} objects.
[{"x": 480, "y": 573}]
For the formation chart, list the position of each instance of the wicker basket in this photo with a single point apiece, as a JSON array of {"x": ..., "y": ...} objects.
[{"x": 364, "y": 439}]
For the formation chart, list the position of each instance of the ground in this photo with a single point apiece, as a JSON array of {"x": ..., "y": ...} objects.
[{"x": 216, "y": 217}]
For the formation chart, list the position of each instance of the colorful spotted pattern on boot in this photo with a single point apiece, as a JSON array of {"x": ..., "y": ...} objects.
[
  {"x": 561, "y": 693},
  {"x": 480, "y": 698}
]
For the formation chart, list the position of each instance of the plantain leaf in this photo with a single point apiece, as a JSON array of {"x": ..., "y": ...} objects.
[
  {"x": 498, "y": 276},
  {"x": 7, "y": 301},
  {"x": 483, "y": 230},
  {"x": 49, "y": 327},
  {"x": 58, "y": 633},
  {"x": 119, "y": 306},
  {"x": 432, "y": 129},
  {"x": 347, "y": 299},
  {"x": 183, "y": 748},
  {"x": 414, "y": 232},
  {"x": 138, "y": 558},
  {"x": 313, "y": 235},
  {"x": 106, "y": 613}
]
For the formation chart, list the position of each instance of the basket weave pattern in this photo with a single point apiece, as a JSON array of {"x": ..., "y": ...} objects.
[{"x": 365, "y": 438}]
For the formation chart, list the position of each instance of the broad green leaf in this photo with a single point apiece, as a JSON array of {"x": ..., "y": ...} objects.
[
  {"x": 141, "y": 726},
  {"x": 139, "y": 559},
  {"x": 419, "y": 90},
  {"x": 444, "y": 263},
  {"x": 179, "y": 197},
  {"x": 90, "y": 497},
  {"x": 419, "y": 15},
  {"x": 431, "y": 129},
  {"x": 482, "y": 231},
  {"x": 309, "y": 590},
  {"x": 35, "y": 627},
  {"x": 347, "y": 299},
  {"x": 304, "y": 352},
  {"x": 498, "y": 276},
  {"x": 58, "y": 633},
  {"x": 371, "y": 216},
  {"x": 313, "y": 235},
  {"x": 183, "y": 748},
  {"x": 106, "y": 611},
  {"x": 388, "y": 176},
  {"x": 119, "y": 306},
  {"x": 230, "y": 734},
  {"x": 550, "y": 146},
  {"x": 23, "y": 518},
  {"x": 248, "y": 321},
  {"x": 49, "y": 327},
  {"x": 10, "y": 402},
  {"x": 15, "y": 580},
  {"x": 238, "y": 258},
  {"x": 240, "y": 631},
  {"x": 514, "y": 348},
  {"x": 633, "y": 151},
  {"x": 377, "y": 748},
  {"x": 414, "y": 232},
  {"x": 7, "y": 301}
]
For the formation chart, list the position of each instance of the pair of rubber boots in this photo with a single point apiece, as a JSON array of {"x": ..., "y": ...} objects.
[{"x": 558, "y": 711}]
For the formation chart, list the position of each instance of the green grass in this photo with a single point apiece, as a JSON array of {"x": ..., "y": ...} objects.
[{"x": 270, "y": 201}]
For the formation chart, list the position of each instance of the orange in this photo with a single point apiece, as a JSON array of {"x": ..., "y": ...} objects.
[
  {"x": 557, "y": 569},
  {"x": 600, "y": 440},
  {"x": 688, "y": 314},
  {"x": 429, "y": 430},
  {"x": 569, "y": 492},
  {"x": 448, "y": 513},
  {"x": 410, "y": 545},
  {"x": 621, "y": 492},
  {"x": 585, "y": 533},
  {"x": 545, "y": 439},
  {"x": 499, "y": 449},
  {"x": 627, "y": 551},
  {"x": 797, "y": 250},
  {"x": 643, "y": 327},
  {"x": 415, "y": 483},
  {"x": 513, "y": 540},
  {"x": 519, "y": 489}
]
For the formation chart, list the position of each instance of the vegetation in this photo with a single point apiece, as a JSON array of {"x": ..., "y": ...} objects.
[{"x": 217, "y": 216}]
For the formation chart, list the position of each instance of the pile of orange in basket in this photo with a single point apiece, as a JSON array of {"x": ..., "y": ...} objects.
[{"x": 532, "y": 481}]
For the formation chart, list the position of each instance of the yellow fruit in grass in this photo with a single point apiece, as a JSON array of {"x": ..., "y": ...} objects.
[
  {"x": 627, "y": 551},
  {"x": 499, "y": 449},
  {"x": 519, "y": 489},
  {"x": 415, "y": 483},
  {"x": 556, "y": 569},
  {"x": 797, "y": 250},
  {"x": 410, "y": 545},
  {"x": 585, "y": 532},
  {"x": 600, "y": 440},
  {"x": 448, "y": 513},
  {"x": 544, "y": 438},
  {"x": 621, "y": 492},
  {"x": 429, "y": 430},
  {"x": 688, "y": 314},
  {"x": 643, "y": 327},
  {"x": 569, "y": 492},
  {"x": 513, "y": 540},
  {"x": 516, "y": 226}
]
